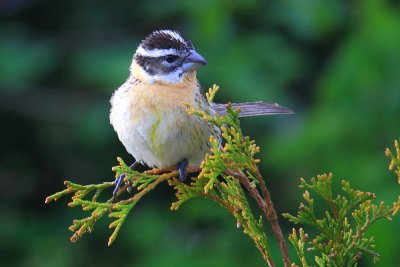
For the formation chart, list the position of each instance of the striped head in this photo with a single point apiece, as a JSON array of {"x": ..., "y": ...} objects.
[{"x": 165, "y": 56}]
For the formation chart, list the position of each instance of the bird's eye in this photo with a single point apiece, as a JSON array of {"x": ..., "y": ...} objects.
[{"x": 171, "y": 58}]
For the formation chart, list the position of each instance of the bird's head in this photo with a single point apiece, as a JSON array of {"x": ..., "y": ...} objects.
[{"x": 165, "y": 56}]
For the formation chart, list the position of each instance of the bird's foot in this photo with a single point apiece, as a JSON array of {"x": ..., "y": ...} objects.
[
  {"x": 182, "y": 167},
  {"x": 120, "y": 179}
]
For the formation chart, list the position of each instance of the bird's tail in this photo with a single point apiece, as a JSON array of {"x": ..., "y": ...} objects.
[{"x": 248, "y": 109}]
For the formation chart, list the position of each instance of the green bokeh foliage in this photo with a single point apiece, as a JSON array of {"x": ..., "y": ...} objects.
[{"x": 335, "y": 63}]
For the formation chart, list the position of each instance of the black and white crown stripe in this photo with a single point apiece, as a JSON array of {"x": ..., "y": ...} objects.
[
  {"x": 173, "y": 34},
  {"x": 155, "y": 52},
  {"x": 164, "y": 37}
]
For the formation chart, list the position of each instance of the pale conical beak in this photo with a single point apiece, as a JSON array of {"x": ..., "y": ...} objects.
[{"x": 193, "y": 61}]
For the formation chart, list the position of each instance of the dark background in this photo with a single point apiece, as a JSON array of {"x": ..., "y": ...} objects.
[{"x": 335, "y": 63}]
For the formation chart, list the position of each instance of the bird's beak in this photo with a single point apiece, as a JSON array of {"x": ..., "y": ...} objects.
[{"x": 193, "y": 61}]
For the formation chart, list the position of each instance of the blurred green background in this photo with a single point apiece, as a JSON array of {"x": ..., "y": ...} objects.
[{"x": 335, "y": 63}]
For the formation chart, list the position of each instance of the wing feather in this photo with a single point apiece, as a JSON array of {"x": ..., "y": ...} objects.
[{"x": 248, "y": 109}]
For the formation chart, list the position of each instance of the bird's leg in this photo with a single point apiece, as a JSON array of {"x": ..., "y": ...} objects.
[
  {"x": 182, "y": 167},
  {"x": 119, "y": 180}
]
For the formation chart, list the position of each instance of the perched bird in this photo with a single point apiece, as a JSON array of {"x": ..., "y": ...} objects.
[{"x": 149, "y": 113}]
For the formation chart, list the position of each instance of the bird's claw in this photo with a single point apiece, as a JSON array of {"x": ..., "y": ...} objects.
[
  {"x": 182, "y": 167},
  {"x": 129, "y": 188},
  {"x": 118, "y": 181}
]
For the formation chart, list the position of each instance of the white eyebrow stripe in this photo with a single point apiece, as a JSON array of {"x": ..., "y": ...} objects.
[{"x": 155, "y": 52}]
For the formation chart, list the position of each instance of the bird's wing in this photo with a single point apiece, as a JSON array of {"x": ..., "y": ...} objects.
[{"x": 248, "y": 109}]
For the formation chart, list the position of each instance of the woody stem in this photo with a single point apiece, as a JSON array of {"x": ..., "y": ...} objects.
[{"x": 267, "y": 208}]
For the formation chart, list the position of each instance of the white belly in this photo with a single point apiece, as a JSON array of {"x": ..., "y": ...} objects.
[{"x": 159, "y": 136}]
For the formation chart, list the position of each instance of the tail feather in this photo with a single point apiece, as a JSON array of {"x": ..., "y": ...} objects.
[{"x": 248, "y": 109}]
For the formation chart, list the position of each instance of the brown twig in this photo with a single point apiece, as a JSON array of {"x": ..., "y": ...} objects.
[
  {"x": 136, "y": 197},
  {"x": 157, "y": 171},
  {"x": 273, "y": 219},
  {"x": 266, "y": 206}
]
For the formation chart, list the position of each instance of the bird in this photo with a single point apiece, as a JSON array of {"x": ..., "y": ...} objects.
[{"x": 149, "y": 111}]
